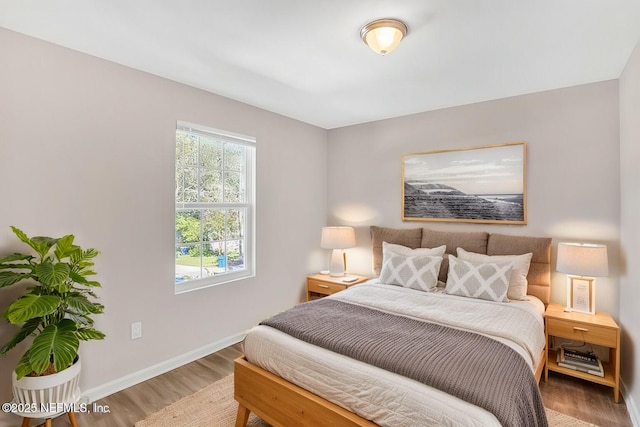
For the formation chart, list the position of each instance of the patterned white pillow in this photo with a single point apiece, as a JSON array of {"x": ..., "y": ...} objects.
[
  {"x": 489, "y": 281},
  {"x": 415, "y": 272},
  {"x": 518, "y": 281},
  {"x": 388, "y": 248}
]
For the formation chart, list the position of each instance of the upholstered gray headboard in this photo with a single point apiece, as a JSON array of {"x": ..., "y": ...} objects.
[{"x": 539, "y": 276}]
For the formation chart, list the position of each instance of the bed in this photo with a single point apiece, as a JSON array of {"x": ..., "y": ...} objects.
[{"x": 411, "y": 346}]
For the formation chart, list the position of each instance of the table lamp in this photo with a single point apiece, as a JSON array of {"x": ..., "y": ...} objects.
[
  {"x": 582, "y": 263},
  {"x": 337, "y": 238}
]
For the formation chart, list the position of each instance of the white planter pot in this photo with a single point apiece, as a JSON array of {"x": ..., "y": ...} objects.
[{"x": 49, "y": 395}]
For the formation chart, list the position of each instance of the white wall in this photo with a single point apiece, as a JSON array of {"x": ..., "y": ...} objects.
[
  {"x": 572, "y": 170},
  {"x": 87, "y": 147},
  {"x": 630, "y": 229}
]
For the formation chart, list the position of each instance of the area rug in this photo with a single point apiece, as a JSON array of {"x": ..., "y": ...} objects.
[{"x": 214, "y": 406}]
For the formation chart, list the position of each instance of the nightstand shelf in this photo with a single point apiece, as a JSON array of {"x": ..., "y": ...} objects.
[
  {"x": 599, "y": 329},
  {"x": 608, "y": 379},
  {"x": 321, "y": 285}
]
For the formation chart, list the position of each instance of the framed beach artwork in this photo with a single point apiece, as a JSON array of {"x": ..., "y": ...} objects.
[{"x": 482, "y": 184}]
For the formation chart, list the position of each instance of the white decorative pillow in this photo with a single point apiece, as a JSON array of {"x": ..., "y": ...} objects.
[
  {"x": 388, "y": 248},
  {"x": 416, "y": 272},
  {"x": 518, "y": 281},
  {"x": 489, "y": 281}
]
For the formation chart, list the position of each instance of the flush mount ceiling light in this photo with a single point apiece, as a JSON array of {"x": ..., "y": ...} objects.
[{"x": 383, "y": 35}]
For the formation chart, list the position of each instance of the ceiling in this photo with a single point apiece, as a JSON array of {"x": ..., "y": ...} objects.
[{"x": 304, "y": 58}]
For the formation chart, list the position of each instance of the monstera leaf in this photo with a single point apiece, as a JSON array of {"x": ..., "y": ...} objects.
[
  {"x": 58, "y": 342},
  {"x": 8, "y": 278},
  {"x": 32, "y": 306},
  {"x": 52, "y": 274}
]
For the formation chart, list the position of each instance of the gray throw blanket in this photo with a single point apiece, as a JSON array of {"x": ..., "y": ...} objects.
[{"x": 470, "y": 366}]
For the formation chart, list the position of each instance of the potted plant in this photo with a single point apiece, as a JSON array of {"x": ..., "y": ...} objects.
[{"x": 56, "y": 310}]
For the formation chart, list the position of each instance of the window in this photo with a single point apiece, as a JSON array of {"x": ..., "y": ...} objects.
[{"x": 215, "y": 202}]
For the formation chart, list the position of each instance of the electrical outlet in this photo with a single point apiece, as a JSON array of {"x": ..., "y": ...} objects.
[{"x": 136, "y": 330}]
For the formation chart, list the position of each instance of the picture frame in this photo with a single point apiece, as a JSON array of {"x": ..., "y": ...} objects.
[
  {"x": 580, "y": 294},
  {"x": 484, "y": 184}
]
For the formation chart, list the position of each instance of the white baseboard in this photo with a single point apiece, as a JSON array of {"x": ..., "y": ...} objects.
[
  {"x": 634, "y": 414},
  {"x": 97, "y": 393}
]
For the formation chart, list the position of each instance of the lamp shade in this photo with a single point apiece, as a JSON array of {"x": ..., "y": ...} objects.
[
  {"x": 383, "y": 35},
  {"x": 582, "y": 259},
  {"x": 337, "y": 238}
]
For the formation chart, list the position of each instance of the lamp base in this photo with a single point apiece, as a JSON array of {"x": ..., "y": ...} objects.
[{"x": 336, "y": 267}]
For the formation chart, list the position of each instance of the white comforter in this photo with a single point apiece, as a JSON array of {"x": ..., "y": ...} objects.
[{"x": 386, "y": 398}]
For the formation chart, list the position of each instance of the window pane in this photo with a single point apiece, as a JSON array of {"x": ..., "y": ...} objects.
[
  {"x": 188, "y": 263},
  {"x": 235, "y": 222},
  {"x": 186, "y": 149},
  {"x": 186, "y": 185},
  {"x": 211, "y": 266},
  {"x": 210, "y": 153},
  {"x": 233, "y": 187},
  {"x": 235, "y": 255},
  {"x": 234, "y": 157},
  {"x": 216, "y": 263},
  {"x": 189, "y": 190},
  {"x": 210, "y": 186},
  {"x": 213, "y": 224},
  {"x": 187, "y": 226},
  {"x": 179, "y": 185}
]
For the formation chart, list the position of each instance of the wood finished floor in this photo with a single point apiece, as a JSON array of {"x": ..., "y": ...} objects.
[{"x": 590, "y": 402}]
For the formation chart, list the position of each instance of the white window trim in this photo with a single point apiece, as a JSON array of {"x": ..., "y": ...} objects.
[{"x": 250, "y": 231}]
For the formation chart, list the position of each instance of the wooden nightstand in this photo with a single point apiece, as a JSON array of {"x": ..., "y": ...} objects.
[
  {"x": 320, "y": 285},
  {"x": 599, "y": 329}
]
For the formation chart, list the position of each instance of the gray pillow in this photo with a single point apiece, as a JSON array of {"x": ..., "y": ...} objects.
[
  {"x": 416, "y": 272},
  {"x": 488, "y": 281},
  {"x": 517, "y": 282}
]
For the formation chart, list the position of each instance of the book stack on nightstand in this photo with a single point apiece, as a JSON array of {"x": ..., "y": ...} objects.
[{"x": 582, "y": 361}]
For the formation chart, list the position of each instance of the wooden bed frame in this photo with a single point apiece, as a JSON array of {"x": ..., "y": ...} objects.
[{"x": 281, "y": 403}]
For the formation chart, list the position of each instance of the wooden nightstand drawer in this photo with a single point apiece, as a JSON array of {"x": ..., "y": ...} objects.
[
  {"x": 319, "y": 285},
  {"x": 325, "y": 288},
  {"x": 590, "y": 333}
]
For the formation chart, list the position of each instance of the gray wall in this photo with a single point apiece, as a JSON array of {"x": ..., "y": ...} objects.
[
  {"x": 87, "y": 147},
  {"x": 630, "y": 228}
]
